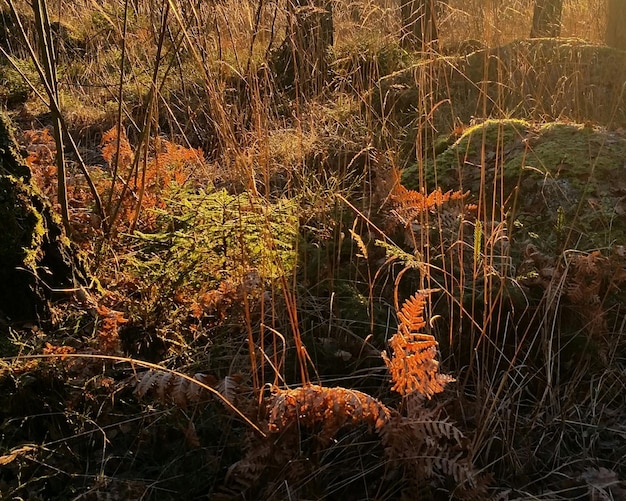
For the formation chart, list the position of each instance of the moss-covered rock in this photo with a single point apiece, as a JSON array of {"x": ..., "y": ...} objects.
[
  {"x": 35, "y": 255},
  {"x": 562, "y": 184},
  {"x": 68, "y": 39},
  {"x": 550, "y": 224},
  {"x": 358, "y": 63}
]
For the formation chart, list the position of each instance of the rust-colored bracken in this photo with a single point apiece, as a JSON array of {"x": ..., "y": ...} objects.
[{"x": 412, "y": 364}]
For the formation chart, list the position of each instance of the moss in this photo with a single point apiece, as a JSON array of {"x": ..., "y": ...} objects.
[
  {"x": 484, "y": 140},
  {"x": 10, "y": 158},
  {"x": 22, "y": 229},
  {"x": 69, "y": 38},
  {"x": 13, "y": 88},
  {"x": 361, "y": 61},
  {"x": 32, "y": 243},
  {"x": 541, "y": 174},
  {"x": 22, "y": 225},
  {"x": 463, "y": 47}
]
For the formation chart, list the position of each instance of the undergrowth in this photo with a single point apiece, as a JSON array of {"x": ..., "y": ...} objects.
[{"x": 406, "y": 283}]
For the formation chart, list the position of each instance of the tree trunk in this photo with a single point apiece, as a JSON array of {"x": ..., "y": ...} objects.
[
  {"x": 419, "y": 25},
  {"x": 301, "y": 63},
  {"x": 615, "y": 31},
  {"x": 547, "y": 19},
  {"x": 36, "y": 258}
]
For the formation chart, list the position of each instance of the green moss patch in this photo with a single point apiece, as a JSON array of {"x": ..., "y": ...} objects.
[
  {"x": 21, "y": 223},
  {"x": 551, "y": 178},
  {"x": 32, "y": 243}
]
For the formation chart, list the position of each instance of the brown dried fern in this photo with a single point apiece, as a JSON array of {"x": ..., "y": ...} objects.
[
  {"x": 169, "y": 387},
  {"x": 438, "y": 219},
  {"x": 425, "y": 446},
  {"x": 409, "y": 208},
  {"x": 246, "y": 473},
  {"x": 332, "y": 408},
  {"x": 410, "y": 204},
  {"x": 412, "y": 365},
  {"x": 584, "y": 279}
]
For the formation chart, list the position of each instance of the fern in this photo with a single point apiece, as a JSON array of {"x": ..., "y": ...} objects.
[
  {"x": 425, "y": 446},
  {"x": 411, "y": 210},
  {"x": 261, "y": 455},
  {"x": 421, "y": 444},
  {"x": 213, "y": 251},
  {"x": 583, "y": 279},
  {"x": 395, "y": 253},
  {"x": 332, "y": 408},
  {"x": 169, "y": 387},
  {"x": 408, "y": 205},
  {"x": 412, "y": 365},
  {"x": 169, "y": 165}
]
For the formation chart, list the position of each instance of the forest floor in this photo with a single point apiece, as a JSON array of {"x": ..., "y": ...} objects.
[{"x": 409, "y": 284}]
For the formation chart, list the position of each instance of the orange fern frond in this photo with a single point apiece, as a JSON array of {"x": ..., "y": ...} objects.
[
  {"x": 109, "y": 148},
  {"x": 411, "y": 316},
  {"x": 108, "y": 329},
  {"x": 332, "y": 408},
  {"x": 412, "y": 365},
  {"x": 409, "y": 204}
]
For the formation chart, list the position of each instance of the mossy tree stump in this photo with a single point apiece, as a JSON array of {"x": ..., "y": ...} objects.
[{"x": 36, "y": 258}]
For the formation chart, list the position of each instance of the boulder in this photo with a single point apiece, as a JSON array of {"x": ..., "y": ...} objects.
[
  {"x": 557, "y": 193},
  {"x": 557, "y": 180}
]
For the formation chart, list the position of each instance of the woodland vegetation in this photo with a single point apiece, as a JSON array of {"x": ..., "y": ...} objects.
[{"x": 312, "y": 249}]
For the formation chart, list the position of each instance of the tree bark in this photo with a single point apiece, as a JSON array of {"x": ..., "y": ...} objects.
[
  {"x": 419, "y": 25},
  {"x": 615, "y": 31},
  {"x": 302, "y": 60},
  {"x": 547, "y": 19}
]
